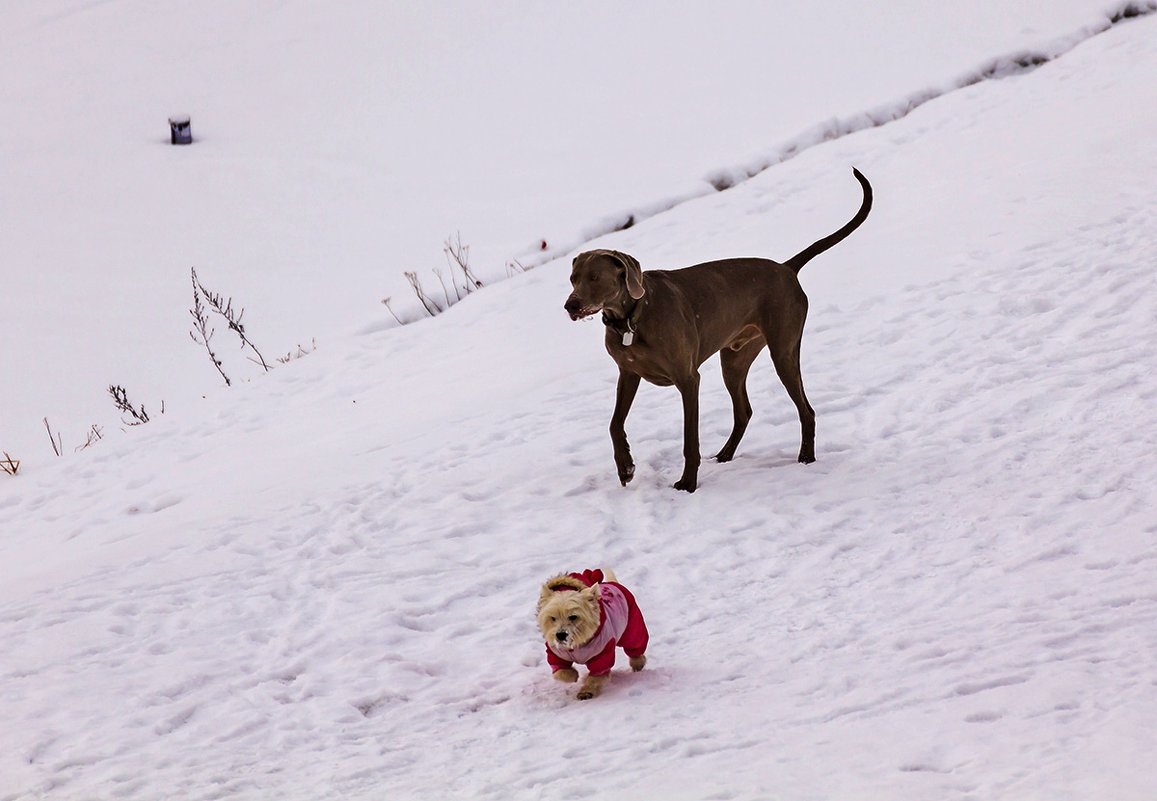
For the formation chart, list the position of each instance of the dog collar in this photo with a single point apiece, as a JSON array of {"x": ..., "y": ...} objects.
[{"x": 627, "y": 323}]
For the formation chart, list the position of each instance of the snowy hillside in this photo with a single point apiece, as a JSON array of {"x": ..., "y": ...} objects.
[
  {"x": 339, "y": 144},
  {"x": 320, "y": 584}
]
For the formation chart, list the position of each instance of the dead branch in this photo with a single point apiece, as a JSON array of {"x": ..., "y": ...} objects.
[
  {"x": 224, "y": 307},
  {"x": 57, "y": 444},
  {"x": 94, "y": 435},
  {"x": 202, "y": 328},
  {"x": 458, "y": 261},
  {"x": 459, "y": 255},
  {"x": 446, "y": 294},
  {"x": 390, "y": 309},
  {"x": 9, "y": 465},
  {"x": 121, "y": 399},
  {"x": 428, "y": 304}
]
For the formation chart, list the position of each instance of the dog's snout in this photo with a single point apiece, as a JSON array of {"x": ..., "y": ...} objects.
[
  {"x": 561, "y": 636},
  {"x": 572, "y": 304}
]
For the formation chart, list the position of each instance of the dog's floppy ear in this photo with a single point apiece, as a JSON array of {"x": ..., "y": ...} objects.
[
  {"x": 557, "y": 583},
  {"x": 634, "y": 276},
  {"x": 544, "y": 596}
]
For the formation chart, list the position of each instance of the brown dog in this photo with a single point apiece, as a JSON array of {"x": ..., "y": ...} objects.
[
  {"x": 584, "y": 618},
  {"x": 663, "y": 324}
]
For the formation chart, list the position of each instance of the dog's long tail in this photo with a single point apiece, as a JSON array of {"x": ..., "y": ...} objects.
[{"x": 797, "y": 261}]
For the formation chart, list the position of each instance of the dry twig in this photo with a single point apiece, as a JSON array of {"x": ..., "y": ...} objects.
[
  {"x": 224, "y": 307},
  {"x": 121, "y": 399},
  {"x": 202, "y": 329},
  {"x": 287, "y": 358},
  {"x": 458, "y": 255},
  {"x": 57, "y": 444},
  {"x": 458, "y": 260},
  {"x": 428, "y": 304},
  {"x": 95, "y": 435},
  {"x": 390, "y": 309}
]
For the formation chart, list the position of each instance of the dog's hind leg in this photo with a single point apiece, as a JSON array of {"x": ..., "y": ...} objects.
[
  {"x": 787, "y": 366},
  {"x": 736, "y": 364}
]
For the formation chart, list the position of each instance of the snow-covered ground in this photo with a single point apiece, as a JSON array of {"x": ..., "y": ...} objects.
[
  {"x": 339, "y": 144},
  {"x": 320, "y": 584}
]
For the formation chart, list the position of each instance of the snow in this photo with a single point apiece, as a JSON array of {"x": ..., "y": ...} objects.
[
  {"x": 339, "y": 145},
  {"x": 321, "y": 583}
]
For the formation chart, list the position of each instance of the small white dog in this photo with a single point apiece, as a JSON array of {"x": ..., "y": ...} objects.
[{"x": 584, "y": 617}]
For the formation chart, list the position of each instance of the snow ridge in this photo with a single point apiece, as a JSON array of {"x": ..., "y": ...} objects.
[{"x": 1004, "y": 66}]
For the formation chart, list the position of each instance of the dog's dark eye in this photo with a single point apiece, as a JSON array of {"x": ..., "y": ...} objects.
[{"x": 572, "y": 618}]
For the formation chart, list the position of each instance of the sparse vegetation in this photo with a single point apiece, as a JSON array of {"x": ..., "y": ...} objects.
[
  {"x": 224, "y": 307},
  {"x": 137, "y": 414},
  {"x": 390, "y": 309},
  {"x": 94, "y": 435},
  {"x": 9, "y": 465},
  {"x": 462, "y": 279},
  {"x": 457, "y": 281},
  {"x": 202, "y": 332},
  {"x": 57, "y": 445},
  {"x": 301, "y": 351}
]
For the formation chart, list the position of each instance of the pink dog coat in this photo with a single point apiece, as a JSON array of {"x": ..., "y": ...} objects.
[{"x": 620, "y": 624}]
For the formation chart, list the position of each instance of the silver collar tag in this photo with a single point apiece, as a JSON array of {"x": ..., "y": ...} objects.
[{"x": 628, "y": 338}]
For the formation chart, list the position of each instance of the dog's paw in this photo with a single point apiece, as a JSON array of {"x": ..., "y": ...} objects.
[
  {"x": 626, "y": 474},
  {"x": 638, "y": 663},
  {"x": 686, "y": 484},
  {"x": 568, "y": 675},
  {"x": 591, "y": 687}
]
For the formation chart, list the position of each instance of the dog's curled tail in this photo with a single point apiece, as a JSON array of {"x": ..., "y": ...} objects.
[{"x": 797, "y": 261}]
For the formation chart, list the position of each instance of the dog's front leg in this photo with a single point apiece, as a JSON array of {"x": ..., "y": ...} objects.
[
  {"x": 624, "y": 397},
  {"x": 689, "y": 389},
  {"x": 592, "y": 686},
  {"x": 567, "y": 675}
]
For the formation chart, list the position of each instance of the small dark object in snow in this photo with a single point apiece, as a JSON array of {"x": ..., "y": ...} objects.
[{"x": 181, "y": 129}]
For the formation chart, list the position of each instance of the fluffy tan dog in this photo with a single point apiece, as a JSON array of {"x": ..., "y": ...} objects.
[{"x": 584, "y": 617}]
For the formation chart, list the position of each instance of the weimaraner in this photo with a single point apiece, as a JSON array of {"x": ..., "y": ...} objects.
[{"x": 662, "y": 324}]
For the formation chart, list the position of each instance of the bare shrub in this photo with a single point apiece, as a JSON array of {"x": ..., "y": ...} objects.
[
  {"x": 94, "y": 435},
  {"x": 462, "y": 280},
  {"x": 202, "y": 332},
  {"x": 9, "y": 465},
  {"x": 431, "y": 307},
  {"x": 458, "y": 255},
  {"x": 224, "y": 307},
  {"x": 138, "y": 414}
]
